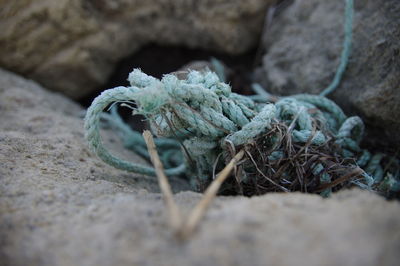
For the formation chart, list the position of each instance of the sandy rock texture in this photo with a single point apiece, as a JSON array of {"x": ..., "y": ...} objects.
[
  {"x": 73, "y": 45},
  {"x": 303, "y": 49},
  {"x": 61, "y": 206}
]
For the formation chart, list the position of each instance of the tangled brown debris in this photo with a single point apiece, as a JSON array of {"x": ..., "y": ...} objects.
[{"x": 288, "y": 166}]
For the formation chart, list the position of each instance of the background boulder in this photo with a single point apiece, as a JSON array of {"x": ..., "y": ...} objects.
[
  {"x": 303, "y": 49},
  {"x": 73, "y": 45}
]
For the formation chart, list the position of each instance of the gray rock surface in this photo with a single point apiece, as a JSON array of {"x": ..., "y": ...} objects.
[
  {"x": 61, "y": 206},
  {"x": 73, "y": 45},
  {"x": 303, "y": 50}
]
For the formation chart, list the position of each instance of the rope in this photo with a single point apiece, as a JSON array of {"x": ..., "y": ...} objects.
[
  {"x": 209, "y": 118},
  {"x": 92, "y": 133},
  {"x": 344, "y": 58},
  {"x": 202, "y": 116}
]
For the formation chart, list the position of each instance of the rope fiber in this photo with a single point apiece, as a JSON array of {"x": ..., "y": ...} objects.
[{"x": 199, "y": 120}]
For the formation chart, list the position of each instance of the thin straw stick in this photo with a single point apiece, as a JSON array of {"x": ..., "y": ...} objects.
[
  {"x": 212, "y": 190},
  {"x": 175, "y": 219}
]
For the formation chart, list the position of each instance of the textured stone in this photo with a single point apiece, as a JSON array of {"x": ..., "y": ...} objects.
[
  {"x": 303, "y": 50},
  {"x": 73, "y": 45},
  {"x": 61, "y": 206}
]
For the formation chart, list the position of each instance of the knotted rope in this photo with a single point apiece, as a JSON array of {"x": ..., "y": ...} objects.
[{"x": 208, "y": 121}]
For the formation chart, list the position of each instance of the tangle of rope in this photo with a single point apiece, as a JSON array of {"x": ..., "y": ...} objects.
[{"x": 208, "y": 119}]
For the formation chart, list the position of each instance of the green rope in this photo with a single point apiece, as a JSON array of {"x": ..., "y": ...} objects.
[
  {"x": 207, "y": 119},
  {"x": 219, "y": 68},
  {"x": 134, "y": 141},
  {"x": 92, "y": 133},
  {"x": 344, "y": 58}
]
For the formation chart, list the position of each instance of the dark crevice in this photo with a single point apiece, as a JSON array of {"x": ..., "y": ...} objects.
[{"x": 156, "y": 60}]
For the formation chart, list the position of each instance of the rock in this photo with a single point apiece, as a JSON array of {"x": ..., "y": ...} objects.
[
  {"x": 303, "y": 50},
  {"x": 42, "y": 135},
  {"x": 62, "y": 206},
  {"x": 73, "y": 45}
]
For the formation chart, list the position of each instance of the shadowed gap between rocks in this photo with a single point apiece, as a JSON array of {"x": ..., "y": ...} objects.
[{"x": 156, "y": 60}]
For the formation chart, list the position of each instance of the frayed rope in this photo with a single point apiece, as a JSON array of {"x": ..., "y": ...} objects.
[{"x": 202, "y": 115}]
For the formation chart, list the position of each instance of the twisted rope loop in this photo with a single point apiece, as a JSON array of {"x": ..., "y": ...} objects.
[{"x": 202, "y": 113}]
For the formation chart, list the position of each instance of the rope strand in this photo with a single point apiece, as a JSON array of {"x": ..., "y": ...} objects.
[{"x": 202, "y": 113}]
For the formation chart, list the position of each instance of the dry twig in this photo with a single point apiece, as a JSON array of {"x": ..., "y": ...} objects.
[
  {"x": 212, "y": 190},
  {"x": 175, "y": 219}
]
